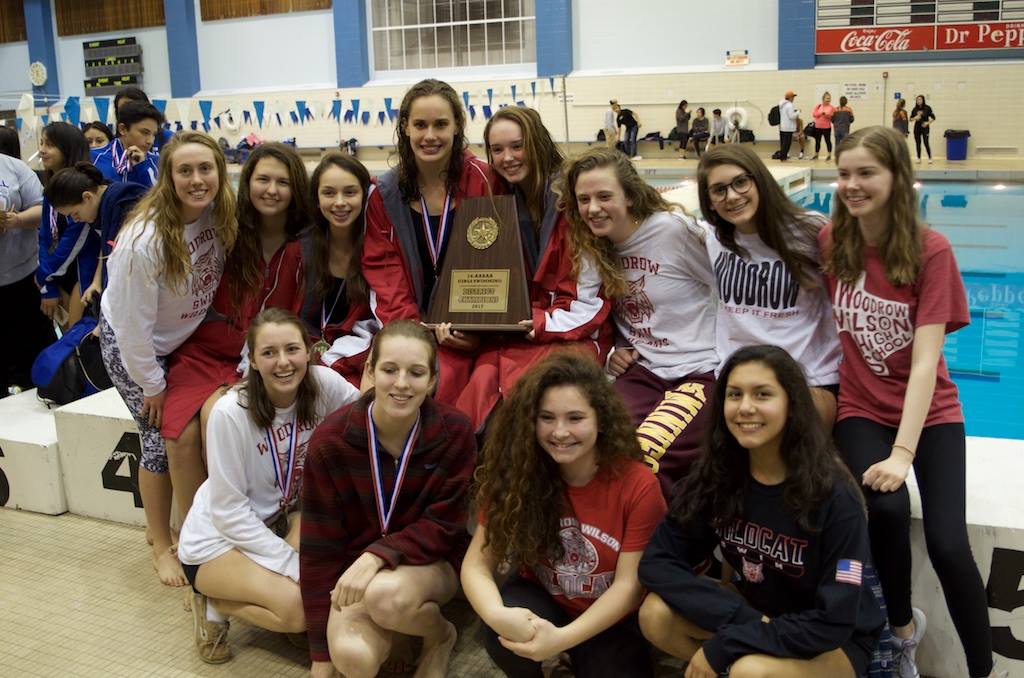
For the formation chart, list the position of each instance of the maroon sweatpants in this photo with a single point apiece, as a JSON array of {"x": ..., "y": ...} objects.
[{"x": 670, "y": 417}]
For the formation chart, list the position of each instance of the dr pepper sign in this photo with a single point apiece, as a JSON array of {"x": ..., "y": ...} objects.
[{"x": 877, "y": 39}]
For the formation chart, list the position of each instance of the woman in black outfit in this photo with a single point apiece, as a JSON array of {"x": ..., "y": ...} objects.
[{"x": 922, "y": 116}]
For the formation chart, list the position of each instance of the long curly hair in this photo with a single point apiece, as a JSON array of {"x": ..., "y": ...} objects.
[
  {"x": 244, "y": 266},
  {"x": 718, "y": 482},
  {"x": 408, "y": 173},
  {"x": 254, "y": 391},
  {"x": 543, "y": 156},
  {"x": 162, "y": 207},
  {"x": 900, "y": 245},
  {"x": 356, "y": 288},
  {"x": 644, "y": 198},
  {"x": 517, "y": 484},
  {"x": 781, "y": 225}
]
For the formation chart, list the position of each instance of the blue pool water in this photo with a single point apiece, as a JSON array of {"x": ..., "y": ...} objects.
[{"x": 986, "y": 358}]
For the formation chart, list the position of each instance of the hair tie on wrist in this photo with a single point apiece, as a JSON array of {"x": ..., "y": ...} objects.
[{"x": 904, "y": 447}]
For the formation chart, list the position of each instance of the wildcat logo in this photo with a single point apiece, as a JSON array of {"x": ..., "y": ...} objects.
[
  {"x": 753, "y": 572},
  {"x": 636, "y": 306},
  {"x": 205, "y": 273}
]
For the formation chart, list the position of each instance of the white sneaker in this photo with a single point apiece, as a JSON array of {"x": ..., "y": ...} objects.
[
  {"x": 801, "y": 156},
  {"x": 904, "y": 652},
  {"x": 929, "y": 161},
  {"x": 637, "y": 157},
  {"x": 919, "y": 161}
]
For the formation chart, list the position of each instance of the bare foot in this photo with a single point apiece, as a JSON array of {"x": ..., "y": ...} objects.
[
  {"x": 168, "y": 568},
  {"x": 436, "y": 653}
]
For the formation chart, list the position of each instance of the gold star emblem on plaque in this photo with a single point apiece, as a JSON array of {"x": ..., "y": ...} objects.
[{"x": 482, "y": 232}]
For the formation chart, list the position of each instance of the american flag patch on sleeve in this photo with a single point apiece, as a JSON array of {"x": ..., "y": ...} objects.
[{"x": 849, "y": 571}]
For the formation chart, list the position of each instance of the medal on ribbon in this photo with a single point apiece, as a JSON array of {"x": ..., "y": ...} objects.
[
  {"x": 284, "y": 470},
  {"x": 435, "y": 242},
  {"x": 122, "y": 161},
  {"x": 384, "y": 513},
  {"x": 322, "y": 346}
]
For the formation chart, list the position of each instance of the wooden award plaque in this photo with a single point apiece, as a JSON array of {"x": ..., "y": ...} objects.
[{"x": 482, "y": 284}]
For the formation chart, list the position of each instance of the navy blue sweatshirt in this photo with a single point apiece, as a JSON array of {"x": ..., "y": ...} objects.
[
  {"x": 119, "y": 198},
  {"x": 809, "y": 584}
]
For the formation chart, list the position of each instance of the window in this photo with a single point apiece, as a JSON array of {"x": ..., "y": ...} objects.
[{"x": 431, "y": 34}]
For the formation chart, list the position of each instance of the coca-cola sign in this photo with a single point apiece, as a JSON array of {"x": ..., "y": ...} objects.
[{"x": 875, "y": 40}]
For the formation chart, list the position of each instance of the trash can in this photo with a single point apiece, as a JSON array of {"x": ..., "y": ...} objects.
[{"x": 956, "y": 143}]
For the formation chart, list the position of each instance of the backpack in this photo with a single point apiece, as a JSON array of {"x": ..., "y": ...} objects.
[
  {"x": 71, "y": 368},
  {"x": 774, "y": 116}
]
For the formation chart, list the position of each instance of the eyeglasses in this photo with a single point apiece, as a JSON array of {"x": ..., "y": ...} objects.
[{"x": 741, "y": 183}]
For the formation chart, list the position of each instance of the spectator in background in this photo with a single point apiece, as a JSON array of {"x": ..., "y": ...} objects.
[
  {"x": 10, "y": 144},
  {"x": 699, "y": 131},
  {"x": 97, "y": 134},
  {"x": 718, "y": 128},
  {"x": 800, "y": 137},
  {"x": 822, "y": 115},
  {"x": 788, "y": 113},
  {"x": 130, "y": 157},
  {"x": 631, "y": 121},
  {"x": 841, "y": 120},
  {"x": 611, "y": 130},
  {"x": 683, "y": 125},
  {"x": 922, "y": 115},
  {"x": 901, "y": 119},
  {"x": 126, "y": 94},
  {"x": 733, "y": 133}
]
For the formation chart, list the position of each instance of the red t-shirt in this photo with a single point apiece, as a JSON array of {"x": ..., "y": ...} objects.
[
  {"x": 609, "y": 515},
  {"x": 876, "y": 322}
]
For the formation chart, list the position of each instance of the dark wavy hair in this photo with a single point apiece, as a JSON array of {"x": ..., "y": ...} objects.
[
  {"x": 517, "y": 484},
  {"x": 10, "y": 142},
  {"x": 254, "y": 393},
  {"x": 718, "y": 481},
  {"x": 100, "y": 127},
  {"x": 356, "y": 288},
  {"x": 543, "y": 156},
  {"x": 789, "y": 230},
  {"x": 67, "y": 186},
  {"x": 71, "y": 143},
  {"x": 407, "y": 170},
  {"x": 244, "y": 265}
]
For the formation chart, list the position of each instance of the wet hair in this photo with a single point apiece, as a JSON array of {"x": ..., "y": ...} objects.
[
  {"x": 543, "y": 157},
  {"x": 517, "y": 484},
  {"x": 408, "y": 173},
  {"x": 244, "y": 265},
  {"x": 254, "y": 395},
  {"x": 645, "y": 201},
  {"x": 410, "y": 330},
  {"x": 131, "y": 94},
  {"x": 162, "y": 207},
  {"x": 899, "y": 247},
  {"x": 99, "y": 127},
  {"x": 71, "y": 143},
  {"x": 10, "y": 143},
  {"x": 66, "y": 187},
  {"x": 718, "y": 481},
  {"x": 134, "y": 112},
  {"x": 356, "y": 288},
  {"x": 781, "y": 224}
]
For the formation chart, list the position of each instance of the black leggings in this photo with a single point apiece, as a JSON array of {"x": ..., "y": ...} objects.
[
  {"x": 618, "y": 651},
  {"x": 820, "y": 134},
  {"x": 940, "y": 468},
  {"x": 921, "y": 134}
]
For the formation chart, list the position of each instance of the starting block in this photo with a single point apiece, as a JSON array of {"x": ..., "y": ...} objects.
[
  {"x": 100, "y": 451},
  {"x": 995, "y": 527},
  {"x": 30, "y": 475}
]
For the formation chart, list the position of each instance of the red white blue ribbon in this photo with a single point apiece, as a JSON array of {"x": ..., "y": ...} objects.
[
  {"x": 54, "y": 231},
  {"x": 122, "y": 161},
  {"x": 435, "y": 243},
  {"x": 384, "y": 513},
  {"x": 284, "y": 470}
]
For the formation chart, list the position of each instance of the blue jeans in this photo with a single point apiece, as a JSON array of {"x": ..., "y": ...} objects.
[{"x": 629, "y": 143}]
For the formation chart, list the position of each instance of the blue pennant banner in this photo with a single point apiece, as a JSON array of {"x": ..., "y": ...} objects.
[
  {"x": 18, "y": 122},
  {"x": 247, "y": 117},
  {"x": 161, "y": 105},
  {"x": 487, "y": 112},
  {"x": 490, "y": 96},
  {"x": 102, "y": 108},
  {"x": 381, "y": 117},
  {"x": 366, "y": 117},
  {"x": 73, "y": 110},
  {"x": 513, "y": 92},
  {"x": 257, "y": 106},
  {"x": 295, "y": 117},
  {"x": 336, "y": 109},
  {"x": 533, "y": 88},
  {"x": 206, "y": 108}
]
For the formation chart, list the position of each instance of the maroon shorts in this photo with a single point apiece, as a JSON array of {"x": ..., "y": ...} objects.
[{"x": 670, "y": 418}]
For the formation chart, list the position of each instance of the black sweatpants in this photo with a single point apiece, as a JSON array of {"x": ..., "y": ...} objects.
[
  {"x": 618, "y": 651},
  {"x": 921, "y": 134},
  {"x": 28, "y": 333},
  {"x": 940, "y": 468},
  {"x": 785, "y": 141}
]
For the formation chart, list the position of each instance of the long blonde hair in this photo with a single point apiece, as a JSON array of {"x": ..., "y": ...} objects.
[
  {"x": 161, "y": 207},
  {"x": 645, "y": 201},
  {"x": 900, "y": 245}
]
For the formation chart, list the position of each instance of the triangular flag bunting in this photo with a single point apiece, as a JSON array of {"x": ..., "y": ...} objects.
[
  {"x": 366, "y": 117},
  {"x": 73, "y": 110},
  {"x": 336, "y": 109},
  {"x": 102, "y": 105},
  {"x": 161, "y": 105},
  {"x": 258, "y": 108},
  {"x": 205, "y": 107},
  {"x": 533, "y": 88}
]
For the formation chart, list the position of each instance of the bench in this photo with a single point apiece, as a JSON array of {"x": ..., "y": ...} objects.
[{"x": 30, "y": 473}]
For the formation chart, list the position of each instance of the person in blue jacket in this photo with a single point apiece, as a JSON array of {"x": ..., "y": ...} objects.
[
  {"x": 67, "y": 249},
  {"x": 771, "y": 494},
  {"x": 132, "y": 93},
  {"x": 129, "y": 157},
  {"x": 83, "y": 194}
]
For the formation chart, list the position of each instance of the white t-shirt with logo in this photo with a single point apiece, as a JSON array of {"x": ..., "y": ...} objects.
[
  {"x": 148, "y": 317},
  {"x": 667, "y": 314},
  {"x": 242, "y": 492},
  {"x": 760, "y": 301}
]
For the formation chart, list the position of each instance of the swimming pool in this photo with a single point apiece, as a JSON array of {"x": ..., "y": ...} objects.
[{"x": 985, "y": 224}]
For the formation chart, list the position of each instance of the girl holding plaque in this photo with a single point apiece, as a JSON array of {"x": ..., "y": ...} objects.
[
  {"x": 384, "y": 509},
  {"x": 652, "y": 262},
  {"x": 239, "y": 541},
  {"x": 566, "y": 297},
  {"x": 409, "y": 217},
  {"x": 263, "y": 270},
  {"x": 336, "y": 309},
  {"x": 565, "y": 499}
]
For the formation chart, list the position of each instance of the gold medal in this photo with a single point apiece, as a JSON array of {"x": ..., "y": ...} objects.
[
  {"x": 320, "y": 347},
  {"x": 482, "y": 232}
]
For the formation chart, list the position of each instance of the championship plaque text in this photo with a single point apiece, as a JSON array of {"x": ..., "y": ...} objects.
[{"x": 479, "y": 290}]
